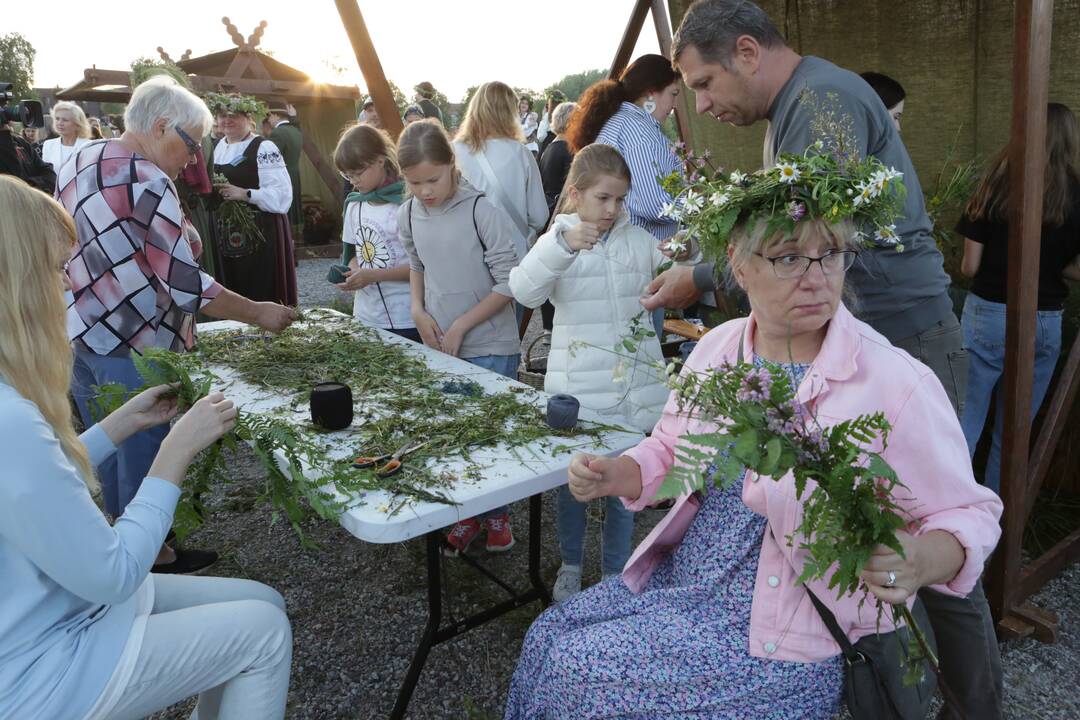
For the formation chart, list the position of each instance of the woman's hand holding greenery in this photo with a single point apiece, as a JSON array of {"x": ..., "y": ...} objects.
[{"x": 148, "y": 409}]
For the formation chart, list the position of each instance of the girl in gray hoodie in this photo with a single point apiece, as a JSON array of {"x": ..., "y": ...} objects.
[{"x": 461, "y": 250}]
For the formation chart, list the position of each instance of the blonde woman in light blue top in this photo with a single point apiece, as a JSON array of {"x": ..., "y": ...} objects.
[{"x": 86, "y": 631}]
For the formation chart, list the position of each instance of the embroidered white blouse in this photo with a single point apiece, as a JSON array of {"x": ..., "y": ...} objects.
[{"x": 274, "y": 194}]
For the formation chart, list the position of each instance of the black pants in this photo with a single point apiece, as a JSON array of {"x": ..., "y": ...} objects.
[{"x": 967, "y": 643}]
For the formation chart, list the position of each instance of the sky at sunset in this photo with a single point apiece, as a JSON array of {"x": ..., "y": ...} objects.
[{"x": 452, "y": 44}]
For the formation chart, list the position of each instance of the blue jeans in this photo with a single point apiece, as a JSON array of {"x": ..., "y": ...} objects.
[
  {"x": 984, "y": 337},
  {"x": 506, "y": 365},
  {"x": 618, "y": 529},
  {"x": 123, "y": 473},
  {"x": 503, "y": 365}
]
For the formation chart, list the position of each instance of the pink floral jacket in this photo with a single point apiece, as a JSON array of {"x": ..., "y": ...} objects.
[{"x": 857, "y": 371}]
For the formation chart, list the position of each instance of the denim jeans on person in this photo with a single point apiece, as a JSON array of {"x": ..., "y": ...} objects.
[
  {"x": 967, "y": 642},
  {"x": 506, "y": 365},
  {"x": 226, "y": 640},
  {"x": 123, "y": 473},
  {"x": 617, "y": 533},
  {"x": 984, "y": 337}
]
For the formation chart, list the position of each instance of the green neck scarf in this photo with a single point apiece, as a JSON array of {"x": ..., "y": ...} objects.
[{"x": 391, "y": 193}]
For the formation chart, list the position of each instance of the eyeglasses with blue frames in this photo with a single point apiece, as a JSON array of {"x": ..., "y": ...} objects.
[
  {"x": 787, "y": 267},
  {"x": 192, "y": 146}
]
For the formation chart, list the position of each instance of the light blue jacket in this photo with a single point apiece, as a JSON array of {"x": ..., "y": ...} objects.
[{"x": 67, "y": 578}]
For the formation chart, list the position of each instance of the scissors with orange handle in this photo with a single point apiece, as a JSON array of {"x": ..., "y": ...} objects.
[{"x": 387, "y": 464}]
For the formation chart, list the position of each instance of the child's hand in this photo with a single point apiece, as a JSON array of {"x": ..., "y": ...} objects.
[
  {"x": 451, "y": 341},
  {"x": 356, "y": 279},
  {"x": 676, "y": 248},
  {"x": 429, "y": 330},
  {"x": 582, "y": 236}
]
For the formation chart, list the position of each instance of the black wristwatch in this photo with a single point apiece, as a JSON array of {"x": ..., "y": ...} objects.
[{"x": 248, "y": 194}]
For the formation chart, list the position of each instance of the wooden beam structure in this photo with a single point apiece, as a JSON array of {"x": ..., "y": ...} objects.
[
  {"x": 663, "y": 34},
  {"x": 370, "y": 66},
  {"x": 629, "y": 38},
  {"x": 1033, "y": 21}
]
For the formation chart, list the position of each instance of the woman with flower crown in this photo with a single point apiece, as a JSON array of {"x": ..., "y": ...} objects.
[
  {"x": 709, "y": 618},
  {"x": 257, "y": 258}
]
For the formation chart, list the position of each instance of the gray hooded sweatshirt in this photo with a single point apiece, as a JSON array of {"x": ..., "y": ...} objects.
[{"x": 465, "y": 248}]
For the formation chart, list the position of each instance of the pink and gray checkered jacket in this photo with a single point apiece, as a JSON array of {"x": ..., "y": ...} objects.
[{"x": 133, "y": 274}]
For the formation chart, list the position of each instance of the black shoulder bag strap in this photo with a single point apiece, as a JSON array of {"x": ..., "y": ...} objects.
[{"x": 866, "y": 692}]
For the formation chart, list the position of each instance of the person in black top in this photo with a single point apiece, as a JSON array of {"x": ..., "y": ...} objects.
[
  {"x": 986, "y": 244},
  {"x": 556, "y": 158},
  {"x": 555, "y": 162}
]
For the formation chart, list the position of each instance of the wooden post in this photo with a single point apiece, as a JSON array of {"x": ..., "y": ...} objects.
[
  {"x": 1033, "y": 20},
  {"x": 663, "y": 35},
  {"x": 368, "y": 59},
  {"x": 629, "y": 39}
]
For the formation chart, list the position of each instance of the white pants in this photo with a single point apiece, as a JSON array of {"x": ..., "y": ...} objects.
[{"x": 227, "y": 640}]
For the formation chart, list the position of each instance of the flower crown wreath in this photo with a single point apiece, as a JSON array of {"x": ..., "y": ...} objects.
[
  {"x": 829, "y": 181},
  {"x": 221, "y": 103}
]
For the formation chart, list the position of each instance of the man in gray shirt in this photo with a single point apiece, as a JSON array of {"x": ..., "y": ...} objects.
[
  {"x": 741, "y": 71},
  {"x": 903, "y": 295}
]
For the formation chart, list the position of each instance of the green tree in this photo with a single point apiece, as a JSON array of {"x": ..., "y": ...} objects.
[
  {"x": 17, "y": 65},
  {"x": 573, "y": 85}
]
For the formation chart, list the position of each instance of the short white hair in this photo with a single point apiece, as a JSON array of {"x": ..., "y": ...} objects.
[
  {"x": 162, "y": 97},
  {"x": 560, "y": 117}
]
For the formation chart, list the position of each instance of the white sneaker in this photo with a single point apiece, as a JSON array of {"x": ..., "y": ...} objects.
[{"x": 567, "y": 582}]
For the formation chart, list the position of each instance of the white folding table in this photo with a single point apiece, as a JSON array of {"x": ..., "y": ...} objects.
[{"x": 510, "y": 474}]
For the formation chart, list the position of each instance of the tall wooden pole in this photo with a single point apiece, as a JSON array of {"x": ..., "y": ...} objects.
[
  {"x": 1031, "y": 73},
  {"x": 370, "y": 67},
  {"x": 663, "y": 35},
  {"x": 629, "y": 39}
]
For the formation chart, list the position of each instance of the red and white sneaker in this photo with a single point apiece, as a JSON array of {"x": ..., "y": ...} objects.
[
  {"x": 499, "y": 536},
  {"x": 460, "y": 536}
]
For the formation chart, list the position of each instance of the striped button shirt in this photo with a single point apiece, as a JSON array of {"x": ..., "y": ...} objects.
[{"x": 637, "y": 136}]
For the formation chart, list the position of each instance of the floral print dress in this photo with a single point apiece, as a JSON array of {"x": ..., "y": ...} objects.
[{"x": 678, "y": 649}]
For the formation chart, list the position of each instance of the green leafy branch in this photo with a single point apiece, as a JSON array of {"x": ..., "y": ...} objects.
[{"x": 846, "y": 490}]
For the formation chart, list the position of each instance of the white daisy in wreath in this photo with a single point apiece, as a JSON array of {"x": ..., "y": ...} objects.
[{"x": 789, "y": 172}]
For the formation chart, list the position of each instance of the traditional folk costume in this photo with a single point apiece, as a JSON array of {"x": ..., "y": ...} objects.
[{"x": 257, "y": 270}]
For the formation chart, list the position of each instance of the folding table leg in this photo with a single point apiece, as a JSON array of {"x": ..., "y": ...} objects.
[
  {"x": 428, "y": 639},
  {"x": 536, "y": 509}
]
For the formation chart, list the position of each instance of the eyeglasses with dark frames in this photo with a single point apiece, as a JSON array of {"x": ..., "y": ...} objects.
[
  {"x": 787, "y": 267},
  {"x": 192, "y": 146}
]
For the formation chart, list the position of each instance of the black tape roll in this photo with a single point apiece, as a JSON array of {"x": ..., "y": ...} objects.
[{"x": 332, "y": 405}]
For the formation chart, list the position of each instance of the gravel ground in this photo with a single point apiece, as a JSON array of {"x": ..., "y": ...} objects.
[{"x": 357, "y": 609}]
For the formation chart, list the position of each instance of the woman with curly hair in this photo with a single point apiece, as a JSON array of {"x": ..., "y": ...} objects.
[{"x": 626, "y": 114}]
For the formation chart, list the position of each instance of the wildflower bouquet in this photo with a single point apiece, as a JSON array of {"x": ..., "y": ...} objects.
[
  {"x": 236, "y": 216},
  {"x": 828, "y": 181},
  {"x": 847, "y": 510}
]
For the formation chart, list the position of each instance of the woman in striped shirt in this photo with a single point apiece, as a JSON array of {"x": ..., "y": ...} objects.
[{"x": 626, "y": 114}]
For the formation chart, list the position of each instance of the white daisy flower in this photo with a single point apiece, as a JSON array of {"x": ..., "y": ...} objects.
[
  {"x": 789, "y": 172},
  {"x": 719, "y": 199},
  {"x": 693, "y": 201},
  {"x": 866, "y": 192},
  {"x": 677, "y": 245},
  {"x": 738, "y": 177},
  {"x": 887, "y": 235},
  {"x": 670, "y": 210}
]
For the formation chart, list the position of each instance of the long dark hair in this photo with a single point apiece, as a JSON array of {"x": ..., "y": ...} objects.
[
  {"x": 649, "y": 73},
  {"x": 991, "y": 198}
]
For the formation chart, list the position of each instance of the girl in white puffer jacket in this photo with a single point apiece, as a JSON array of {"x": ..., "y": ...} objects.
[{"x": 594, "y": 265}]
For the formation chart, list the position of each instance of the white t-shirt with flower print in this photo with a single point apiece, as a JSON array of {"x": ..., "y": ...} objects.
[{"x": 373, "y": 230}]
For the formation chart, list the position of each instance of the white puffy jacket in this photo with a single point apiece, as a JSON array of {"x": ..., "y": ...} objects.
[{"x": 596, "y": 293}]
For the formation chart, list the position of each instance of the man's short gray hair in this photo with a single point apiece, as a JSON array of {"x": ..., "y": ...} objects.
[
  {"x": 163, "y": 97},
  {"x": 560, "y": 116},
  {"x": 713, "y": 26}
]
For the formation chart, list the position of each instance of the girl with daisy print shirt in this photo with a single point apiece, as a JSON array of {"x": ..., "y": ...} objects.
[{"x": 379, "y": 265}]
